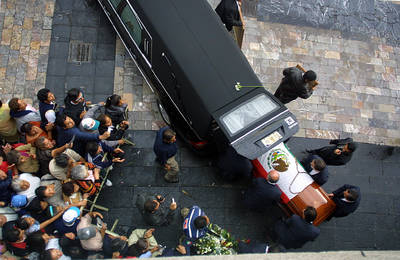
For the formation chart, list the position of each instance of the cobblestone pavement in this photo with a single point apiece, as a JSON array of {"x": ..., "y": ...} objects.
[
  {"x": 359, "y": 87},
  {"x": 25, "y": 39},
  {"x": 353, "y": 18}
]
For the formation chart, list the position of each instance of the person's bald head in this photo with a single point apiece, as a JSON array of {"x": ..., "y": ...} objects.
[{"x": 273, "y": 176}]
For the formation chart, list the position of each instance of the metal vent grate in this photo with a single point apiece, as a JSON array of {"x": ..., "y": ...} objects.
[{"x": 80, "y": 52}]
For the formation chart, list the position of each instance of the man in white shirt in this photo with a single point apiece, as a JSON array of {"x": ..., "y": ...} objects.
[
  {"x": 53, "y": 250},
  {"x": 22, "y": 112},
  {"x": 26, "y": 184}
]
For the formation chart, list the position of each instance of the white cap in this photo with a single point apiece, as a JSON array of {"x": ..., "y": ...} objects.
[
  {"x": 90, "y": 124},
  {"x": 70, "y": 216}
]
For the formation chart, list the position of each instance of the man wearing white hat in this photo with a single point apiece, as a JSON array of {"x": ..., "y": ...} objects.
[
  {"x": 91, "y": 125},
  {"x": 88, "y": 124},
  {"x": 69, "y": 221}
]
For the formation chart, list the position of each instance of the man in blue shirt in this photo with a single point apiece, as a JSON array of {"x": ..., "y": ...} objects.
[
  {"x": 195, "y": 224},
  {"x": 165, "y": 149},
  {"x": 68, "y": 222},
  {"x": 66, "y": 130}
]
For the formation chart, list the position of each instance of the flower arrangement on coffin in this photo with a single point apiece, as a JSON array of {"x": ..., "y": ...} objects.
[{"x": 217, "y": 241}]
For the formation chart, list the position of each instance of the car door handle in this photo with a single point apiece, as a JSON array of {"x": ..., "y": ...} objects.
[{"x": 166, "y": 58}]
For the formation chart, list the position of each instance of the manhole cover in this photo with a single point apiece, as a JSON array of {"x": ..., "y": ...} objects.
[{"x": 80, "y": 52}]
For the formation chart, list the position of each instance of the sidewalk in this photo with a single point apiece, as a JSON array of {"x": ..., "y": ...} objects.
[{"x": 24, "y": 47}]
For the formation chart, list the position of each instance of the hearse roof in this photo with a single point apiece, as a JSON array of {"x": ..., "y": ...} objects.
[{"x": 206, "y": 53}]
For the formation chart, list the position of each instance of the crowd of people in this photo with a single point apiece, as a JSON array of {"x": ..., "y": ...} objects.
[{"x": 51, "y": 162}]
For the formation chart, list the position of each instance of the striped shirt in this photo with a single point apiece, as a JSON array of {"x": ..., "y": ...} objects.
[{"x": 188, "y": 224}]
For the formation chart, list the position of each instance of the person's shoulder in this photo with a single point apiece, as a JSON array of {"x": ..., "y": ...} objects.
[
  {"x": 260, "y": 180},
  {"x": 297, "y": 219},
  {"x": 29, "y": 177},
  {"x": 315, "y": 230}
]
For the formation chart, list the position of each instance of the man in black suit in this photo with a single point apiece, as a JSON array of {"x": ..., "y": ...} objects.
[
  {"x": 228, "y": 11},
  {"x": 316, "y": 167},
  {"x": 262, "y": 193},
  {"x": 295, "y": 84},
  {"x": 339, "y": 153},
  {"x": 347, "y": 198},
  {"x": 294, "y": 232}
]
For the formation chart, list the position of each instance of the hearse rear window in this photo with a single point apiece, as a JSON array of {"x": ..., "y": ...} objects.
[
  {"x": 247, "y": 113},
  {"x": 133, "y": 25}
]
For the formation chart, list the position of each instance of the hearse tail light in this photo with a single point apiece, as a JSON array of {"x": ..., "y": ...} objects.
[{"x": 199, "y": 145}]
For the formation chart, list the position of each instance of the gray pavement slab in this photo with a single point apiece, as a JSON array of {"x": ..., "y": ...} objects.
[
  {"x": 77, "y": 22},
  {"x": 375, "y": 225},
  {"x": 357, "y": 19}
]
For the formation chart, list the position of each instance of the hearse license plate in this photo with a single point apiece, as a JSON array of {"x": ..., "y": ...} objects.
[{"x": 271, "y": 139}]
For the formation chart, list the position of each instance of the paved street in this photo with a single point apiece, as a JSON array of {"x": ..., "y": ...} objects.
[
  {"x": 82, "y": 51},
  {"x": 354, "y": 48},
  {"x": 375, "y": 225}
]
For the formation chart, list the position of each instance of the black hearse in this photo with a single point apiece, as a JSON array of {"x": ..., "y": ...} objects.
[{"x": 193, "y": 65}]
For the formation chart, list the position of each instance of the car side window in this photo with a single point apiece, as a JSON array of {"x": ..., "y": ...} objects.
[
  {"x": 133, "y": 25},
  {"x": 115, "y": 3}
]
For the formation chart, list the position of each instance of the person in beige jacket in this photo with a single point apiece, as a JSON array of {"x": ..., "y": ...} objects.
[{"x": 8, "y": 127}]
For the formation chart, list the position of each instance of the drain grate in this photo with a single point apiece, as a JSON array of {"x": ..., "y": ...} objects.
[{"x": 80, "y": 52}]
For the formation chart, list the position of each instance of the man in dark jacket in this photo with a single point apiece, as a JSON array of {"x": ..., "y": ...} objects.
[
  {"x": 228, "y": 11},
  {"x": 165, "y": 149},
  {"x": 154, "y": 211},
  {"x": 295, "y": 84},
  {"x": 5, "y": 184},
  {"x": 339, "y": 153},
  {"x": 66, "y": 130},
  {"x": 316, "y": 167},
  {"x": 294, "y": 232},
  {"x": 47, "y": 107},
  {"x": 15, "y": 239},
  {"x": 347, "y": 198},
  {"x": 262, "y": 193},
  {"x": 75, "y": 105}
]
